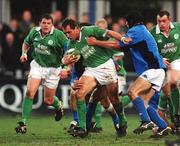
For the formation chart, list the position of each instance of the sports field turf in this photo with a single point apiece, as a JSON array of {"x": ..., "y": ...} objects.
[{"x": 44, "y": 131}]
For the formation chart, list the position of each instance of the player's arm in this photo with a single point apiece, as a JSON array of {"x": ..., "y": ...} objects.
[
  {"x": 25, "y": 49},
  {"x": 28, "y": 41},
  {"x": 105, "y": 44},
  {"x": 118, "y": 36}
]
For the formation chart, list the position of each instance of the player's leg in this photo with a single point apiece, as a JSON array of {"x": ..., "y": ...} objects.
[
  {"x": 52, "y": 100},
  {"x": 88, "y": 83},
  {"x": 173, "y": 76},
  {"x": 93, "y": 101},
  {"x": 118, "y": 106},
  {"x": 73, "y": 107},
  {"x": 121, "y": 90},
  {"x": 176, "y": 114},
  {"x": 140, "y": 85},
  {"x": 97, "y": 94},
  {"x": 32, "y": 86},
  {"x": 98, "y": 118}
]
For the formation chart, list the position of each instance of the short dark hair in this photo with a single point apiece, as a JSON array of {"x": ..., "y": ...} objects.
[
  {"x": 134, "y": 18},
  {"x": 72, "y": 23},
  {"x": 46, "y": 16},
  {"x": 164, "y": 13}
]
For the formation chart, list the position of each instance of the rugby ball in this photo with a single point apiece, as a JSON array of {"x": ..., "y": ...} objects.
[{"x": 74, "y": 53}]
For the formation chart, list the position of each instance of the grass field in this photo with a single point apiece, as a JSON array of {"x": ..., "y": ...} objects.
[{"x": 44, "y": 131}]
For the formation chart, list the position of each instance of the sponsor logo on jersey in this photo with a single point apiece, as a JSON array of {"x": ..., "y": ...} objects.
[
  {"x": 42, "y": 49},
  {"x": 87, "y": 51},
  {"x": 169, "y": 48}
]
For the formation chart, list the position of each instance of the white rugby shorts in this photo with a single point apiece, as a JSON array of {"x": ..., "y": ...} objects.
[
  {"x": 105, "y": 73},
  {"x": 155, "y": 76},
  {"x": 49, "y": 75},
  {"x": 175, "y": 65}
]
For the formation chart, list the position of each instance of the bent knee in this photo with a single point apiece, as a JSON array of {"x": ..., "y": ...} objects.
[
  {"x": 81, "y": 94},
  {"x": 49, "y": 101},
  {"x": 132, "y": 94},
  {"x": 30, "y": 94}
]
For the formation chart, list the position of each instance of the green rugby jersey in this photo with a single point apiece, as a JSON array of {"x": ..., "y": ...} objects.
[
  {"x": 111, "y": 53},
  {"x": 48, "y": 50},
  {"x": 93, "y": 56},
  {"x": 169, "y": 47}
]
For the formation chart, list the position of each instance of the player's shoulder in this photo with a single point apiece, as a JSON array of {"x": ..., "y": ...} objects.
[
  {"x": 153, "y": 29},
  {"x": 176, "y": 24},
  {"x": 88, "y": 28},
  {"x": 34, "y": 29},
  {"x": 57, "y": 32}
]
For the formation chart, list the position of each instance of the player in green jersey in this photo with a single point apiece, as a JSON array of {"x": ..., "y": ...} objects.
[
  {"x": 48, "y": 44},
  {"x": 117, "y": 58},
  {"x": 167, "y": 36},
  {"x": 99, "y": 69}
]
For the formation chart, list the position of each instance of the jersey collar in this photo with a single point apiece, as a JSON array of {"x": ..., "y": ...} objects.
[{"x": 158, "y": 31}]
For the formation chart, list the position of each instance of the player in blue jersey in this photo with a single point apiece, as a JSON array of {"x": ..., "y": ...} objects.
[{"x": 149, "y": 67}]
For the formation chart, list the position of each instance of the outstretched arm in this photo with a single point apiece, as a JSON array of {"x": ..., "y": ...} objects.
[
  {"x": 106, "y": 44},
  {"x": 118, "y": 36}
]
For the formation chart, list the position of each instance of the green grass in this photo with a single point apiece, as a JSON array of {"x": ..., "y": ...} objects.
[{"x": 44, "y": 131}]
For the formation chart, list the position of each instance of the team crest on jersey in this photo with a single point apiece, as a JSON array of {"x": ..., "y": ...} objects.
[
  {"x": 159, "y": 41},
  {"x": 176, "y": 36},
  {"x": 50, "y": 42}
]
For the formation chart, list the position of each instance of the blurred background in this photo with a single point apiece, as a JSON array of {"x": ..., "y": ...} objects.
[{"x": 17, "y": 17}]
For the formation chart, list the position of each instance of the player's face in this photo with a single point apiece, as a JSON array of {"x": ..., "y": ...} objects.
[
  {"x": 72, "y": 34},
  {"x": 46, "y": 26},
  {"x": 163, "y": 22}
]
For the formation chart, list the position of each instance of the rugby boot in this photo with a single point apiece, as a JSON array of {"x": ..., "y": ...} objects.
[
  {"x": 58, "y": 113},
  {"x": 144, "y": 127},
  {"x": 21, "y": 128},
  {"x": 161, "y": 132}
]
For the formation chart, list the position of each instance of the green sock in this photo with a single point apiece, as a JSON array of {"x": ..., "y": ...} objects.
[
  {"x": 120, "y": 111},
  {"x": 171, "y": 108},
  {"x": 56, "y": 104},
  {"x": 97, "y": 115},
  {"x": 26, "y": 109},
  {"x": 125, "y": 100},
  {"x": 122, "y": 118},
  {"x": 162, "y": 104},
  {"x": 81, "y": 109},
  {"x": 175, "y": 99}
]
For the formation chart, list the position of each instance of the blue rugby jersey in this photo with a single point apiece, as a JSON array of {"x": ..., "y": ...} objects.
[{"x": 143, "y": 49}]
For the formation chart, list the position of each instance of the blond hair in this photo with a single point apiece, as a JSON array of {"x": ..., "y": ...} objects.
[{"x": 102, "y": 23}]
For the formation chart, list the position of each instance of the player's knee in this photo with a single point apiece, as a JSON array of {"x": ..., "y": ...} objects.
[
  {"x": 132, "y": 94},
  {"x": 48, "y": 101},
  {"x": 81, "y": 94},
  {"x": 30, "y": 94},
  {"x": 110, "y": 108}
]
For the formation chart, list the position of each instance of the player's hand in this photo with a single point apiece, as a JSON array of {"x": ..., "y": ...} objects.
[
  {"x": 166, "y": 62},
  {"x": 69, "y": 59},
  {"x": 126, "y": 40},
  {"x": 91, "y": 41},
  {"x": 23, "y": 58},
  {"x": 63, "y": 74}
]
